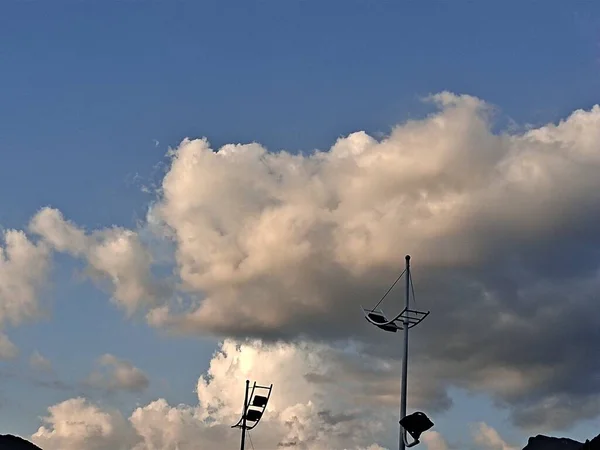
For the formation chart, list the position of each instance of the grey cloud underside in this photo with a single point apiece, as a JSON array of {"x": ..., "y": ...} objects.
[
  {"x": 115, "y": 374},
  {"x": 502, "y": 229}
]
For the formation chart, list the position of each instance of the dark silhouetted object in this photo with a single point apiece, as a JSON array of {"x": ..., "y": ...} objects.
[
  {"x": 594, "y": 444},
  {"x": 260, "y": 401},
  {"x": 10, "y": 442},
  {"x": 541, "y": 442},
  {"x": 252, "y": 415},
  {"x": 381, "y": 322},
  {"x": 416, "y": 424}
]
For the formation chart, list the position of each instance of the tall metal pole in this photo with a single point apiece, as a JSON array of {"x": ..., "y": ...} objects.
[
  {"x": 402, "y": 433},
  {"x": 243, "y": 444}
]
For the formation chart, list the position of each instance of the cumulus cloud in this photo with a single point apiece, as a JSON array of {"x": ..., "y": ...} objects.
[
  {"x": 434, "y": 441},
  {"x": 294, "y": 235},
  {"x": 302, "y": 414},
  {"x": 117, "y": 374},
  {"x": 39, "y": 362},
  {"x": 489, "y": 439},
  {"x": 24, "y": 267},
  {"x": 502, "y": 228},
  {"x": 114, "y": 255},
  {"x": 75, "y": 424}
]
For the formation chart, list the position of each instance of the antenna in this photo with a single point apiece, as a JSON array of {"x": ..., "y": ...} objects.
[
  {"x": 254, "y": 408},
  {"x": 416, "y": 423}
]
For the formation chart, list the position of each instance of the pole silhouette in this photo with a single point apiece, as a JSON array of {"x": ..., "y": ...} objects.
[
  {"x": 243, "y": 443},
  {"x": 402, "y": 432}
]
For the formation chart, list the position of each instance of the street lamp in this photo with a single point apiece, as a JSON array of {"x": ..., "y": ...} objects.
[
  {"x": 254, "y": 408},
  {"x": 416, "y": 423}
]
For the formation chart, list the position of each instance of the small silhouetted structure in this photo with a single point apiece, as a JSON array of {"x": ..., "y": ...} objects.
[{"x": 254, "y": 408}]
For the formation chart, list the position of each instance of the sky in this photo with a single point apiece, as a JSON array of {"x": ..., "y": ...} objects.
[{"x": 197, "y": 193}]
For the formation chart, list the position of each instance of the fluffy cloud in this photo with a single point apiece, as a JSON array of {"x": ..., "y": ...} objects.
[
  {"x": 502, "y": 228},
  {"x": 489, "y": 439},
  {"x": 24, "y": 268},
  {"x": 115, "y": 256},
  {"x": 75, "y": 424},
  {"x": 434, "y": 441},
  {"x": 278, "y": 246},
  {"x": 317, "y": 404},
  {"x": 117, "y": 374},
  {"x": 307, "y": 411},
  {"x": 301, "y": 238}
]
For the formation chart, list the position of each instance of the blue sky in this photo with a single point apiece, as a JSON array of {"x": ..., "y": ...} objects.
[{"x": 92, "y": 94}]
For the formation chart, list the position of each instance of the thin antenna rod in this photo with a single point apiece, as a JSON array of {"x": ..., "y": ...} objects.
[
  {"x": 402, "y": 434},
  {"x": 245, "y": 410}
]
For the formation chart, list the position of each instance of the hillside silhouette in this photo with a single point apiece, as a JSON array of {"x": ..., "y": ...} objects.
[
  {"x": 10, "y": 442},
  {"x": 541, "y": 442}
]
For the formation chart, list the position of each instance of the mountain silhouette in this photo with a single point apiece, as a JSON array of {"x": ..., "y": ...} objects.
[
  {"x": 541, "y": 442},
  {"x": 594, "y": 444},
  {"x": 10, "y": 442}
]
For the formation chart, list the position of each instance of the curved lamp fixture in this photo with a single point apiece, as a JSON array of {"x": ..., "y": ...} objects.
[{"x": 254, "y": 408}]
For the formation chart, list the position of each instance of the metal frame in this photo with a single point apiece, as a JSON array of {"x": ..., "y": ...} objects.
[
  {"x": 407, "y": 319},
  {"x": 398, "y": 322},
  {"x": 242, "y": 423}
]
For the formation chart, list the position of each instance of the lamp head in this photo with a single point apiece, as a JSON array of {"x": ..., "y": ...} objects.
[{"x": 416, "y": 424}]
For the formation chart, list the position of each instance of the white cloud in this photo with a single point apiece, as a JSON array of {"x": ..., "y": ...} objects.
[
  {"x": 275, "y": 245},
  {"x": 489, "y": 439},
  {"x": 315, "y": 415},
  {"x": 39, "y": 362},
  {"x": 24, "y": 267},
  {"x": 296, "y": 230},
  {"x": 114, "y": 255},
  {"x": 62, "y": 235},
  {"x": 8, "y": 350},
  {"x": 502, "y": 228},
  {"x": 75, "y": 424},
  {"x": 118, "y": 374},
  {"x": 434, "y": 441}
]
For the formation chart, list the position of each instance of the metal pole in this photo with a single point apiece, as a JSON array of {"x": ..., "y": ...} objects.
[
  {"x": 401, "y": 444},
  {"x": 244, "y": 416}
]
